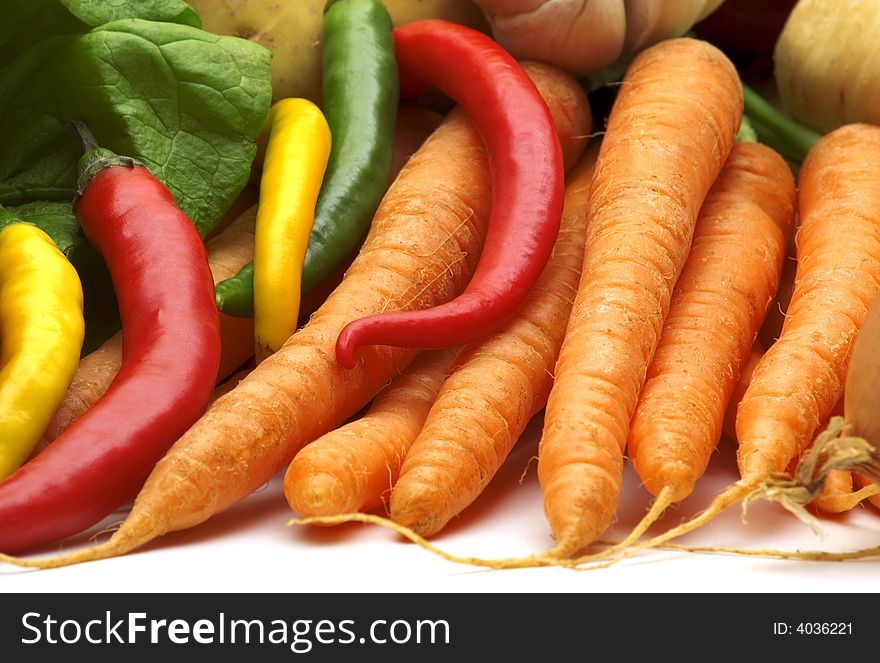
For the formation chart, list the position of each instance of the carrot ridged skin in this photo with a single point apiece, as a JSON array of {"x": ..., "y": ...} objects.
[
  {"x": 495, "y": 387},
  {"x": 354, "y": 467},
  {"x": 421, "y": 250},
  {"x": 718, "y": 306},
  {"x": 669, "y": 133},
  {"x": 801, "y": 377}
]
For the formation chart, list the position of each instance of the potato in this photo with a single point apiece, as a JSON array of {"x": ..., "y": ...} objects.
[{"x": 292, "y": 31}]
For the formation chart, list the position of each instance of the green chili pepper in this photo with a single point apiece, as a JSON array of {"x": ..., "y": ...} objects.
[{"x": 360, "y": 92}]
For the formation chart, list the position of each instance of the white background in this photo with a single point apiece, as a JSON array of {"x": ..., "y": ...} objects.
[{"x": 250, "y": 549}]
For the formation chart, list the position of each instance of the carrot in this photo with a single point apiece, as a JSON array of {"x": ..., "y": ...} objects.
[
  {"x": 354, "y": 467},
  {"x": 227, "y": 252},
  {"x": 864, "y": 483},
  {"x": 495, "y": 387},
  {"x": 670, "y": 130},
  {"x": 728, "y": 426},
  {"x": 801, "y": 377},
  {"x": 717, "y": 308},
  {"x": 421, "y": 249},
  {"x": 837, "y": 495}
]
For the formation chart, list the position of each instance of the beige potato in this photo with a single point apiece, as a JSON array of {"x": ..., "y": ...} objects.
[{"x": 292, "y": 31}]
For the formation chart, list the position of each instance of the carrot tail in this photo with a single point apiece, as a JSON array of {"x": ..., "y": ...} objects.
[{"x": 832, "y": 451}]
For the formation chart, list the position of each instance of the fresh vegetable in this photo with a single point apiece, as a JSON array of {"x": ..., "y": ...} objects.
[
  {"x": 360, "y": 101},
  {"x": 186, "y": 103},
  {"x": 585, "y": 35},
  {"x": 292, "y": 31},
  {"x": 96, "y": 371},
  {"x": 669, "y": 133},
  {"x": 717, "y": 307},
  {"x": 526, "y": 166},
  {"x": 827, "y": 63},
  {"x": 838, "y": 273},
  {"x": 495, "y": 386},
  {"x": 58, "y": 221},
  {"x": 172, "y": 350},
  {"x": 360, "y": 98},
  {"x": 801, "y": 377},
  {"x": 864, "y": 483},
  {"x": 41, "y": 334},
  {"x": 354, "y": 467},
  {"x": 431, "y": 225},
  {"x": 296, "y": 156},
  {"x": 27, "y": 22}
]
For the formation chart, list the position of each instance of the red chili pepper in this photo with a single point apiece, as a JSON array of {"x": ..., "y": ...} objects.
[
  {"x": 526, "y": 171},
  {"x": 171, "y": 342}
]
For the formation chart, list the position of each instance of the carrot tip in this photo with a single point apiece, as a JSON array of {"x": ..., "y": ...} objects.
[{"x": 317, "y": 495}]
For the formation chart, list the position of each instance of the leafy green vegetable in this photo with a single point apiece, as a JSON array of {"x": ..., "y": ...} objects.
[
  {"x": 96, "y": 12},
  {"x": 25, "y": 22},
  {"x": 186, "y": 103},
  {"x": 99, "y": 301}
]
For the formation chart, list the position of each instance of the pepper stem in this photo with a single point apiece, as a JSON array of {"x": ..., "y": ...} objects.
[{"x": 96, "y": 158}]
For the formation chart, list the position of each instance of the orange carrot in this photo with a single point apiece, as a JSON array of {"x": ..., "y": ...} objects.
[
  {"x": 801, "y": 377},
  {"x": 865, "y": 483},
  {"x": 354, "y": 467},
  {"x": 837, "y": 495},
  {"x": 421, "y": 249},
  {"x": 717, "y": 308},
  {"x": 227, "y": 253},
  {"x": 669, "y": 133},
  {"x": 728, "y": 427},
  {"x": 495, "y": 387}
]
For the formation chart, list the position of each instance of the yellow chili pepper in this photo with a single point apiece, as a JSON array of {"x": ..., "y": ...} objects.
[
  {"x": 293, "y": 169},
  {"x": 41, "y": 336}
]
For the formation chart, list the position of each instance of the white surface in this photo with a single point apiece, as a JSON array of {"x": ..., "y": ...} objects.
[{"x": 249, "y": 549}]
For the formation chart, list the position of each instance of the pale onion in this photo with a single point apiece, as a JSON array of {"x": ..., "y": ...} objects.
[
  {"x": 583, "y": 36},
  {"x": 827, "y": 63}
]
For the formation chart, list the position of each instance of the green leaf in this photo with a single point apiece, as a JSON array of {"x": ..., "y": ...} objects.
[
  {"x": 97, "y": 12},
  {"x": 26, "y": 22},
  {"x": 186, "y": 103}
]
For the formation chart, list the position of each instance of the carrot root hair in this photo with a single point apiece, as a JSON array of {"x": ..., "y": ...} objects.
[
  {"x": 833, "y": 450},
  {"x": 803, "y": 555},
  {"x": 530, "y": 561}
]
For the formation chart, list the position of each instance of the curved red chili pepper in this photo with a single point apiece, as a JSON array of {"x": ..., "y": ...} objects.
[
  {"x": 171, "y": 354},
  {"x": 526, "y": 171}
]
